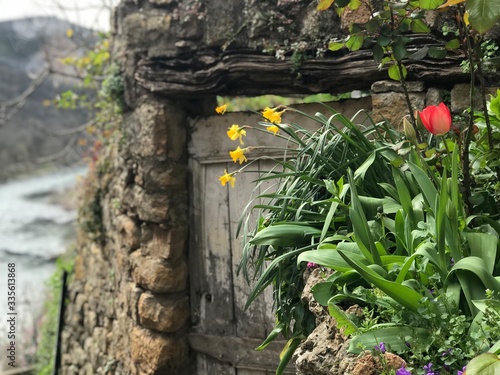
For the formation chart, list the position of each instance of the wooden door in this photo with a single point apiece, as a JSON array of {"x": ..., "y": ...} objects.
[{"x": 224, "y": 335}]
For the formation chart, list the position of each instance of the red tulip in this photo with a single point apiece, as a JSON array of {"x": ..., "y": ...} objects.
[{"x": 436, "y": 118}]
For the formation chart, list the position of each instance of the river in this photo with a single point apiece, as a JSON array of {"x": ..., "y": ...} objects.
[{"x": 34, "y": 229}]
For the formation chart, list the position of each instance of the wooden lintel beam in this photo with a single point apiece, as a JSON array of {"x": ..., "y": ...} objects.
[{"x": 250, "y": 73}]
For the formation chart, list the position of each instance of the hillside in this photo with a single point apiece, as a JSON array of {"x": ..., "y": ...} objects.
[{"x": 27, "y": 47}]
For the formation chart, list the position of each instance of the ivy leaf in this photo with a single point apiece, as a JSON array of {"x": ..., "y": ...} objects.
[
  {"x": 335, "y": 46},
  {"x": 354, "y": 4},
  {"x": 324, "y": 5},
  {"x": 354, "y": 42},
  {"x": 394, "y": 72},
  {"x": 437, "y": 52},
  {"x": 452, "y": 44},
  {"x": 418, "y": 26},
  {"x": 399, "y": 50},
  {"x": 378, "y": 53},
  {"x": 342, "y": 3},
  {"x": 430, "y": 4},
  {"x": 483, "y": 14},
  {"x": 420, "y": 54},
  {"x": 383, "y": 40}
]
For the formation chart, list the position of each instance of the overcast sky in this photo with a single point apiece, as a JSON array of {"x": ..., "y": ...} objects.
[{"x": 90, "y": 13}]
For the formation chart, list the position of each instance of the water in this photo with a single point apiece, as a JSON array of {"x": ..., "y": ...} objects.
[{"x": 34, "y": 230}]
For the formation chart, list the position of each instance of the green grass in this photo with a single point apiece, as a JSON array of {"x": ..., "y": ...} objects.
[{"x": 45, "y": 354}]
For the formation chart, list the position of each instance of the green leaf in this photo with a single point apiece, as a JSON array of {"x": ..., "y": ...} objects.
[
  {"x": 420, "y": 54},
  {"x": 495, "y": 105},
  {"x": 329, "y": 259},
  {"x": 483, "y": 14},
  {"x": 399, "y": 50},
  {"x": 324, "y": 5},
  {"x": 354, "y": 42},
  {"x": 335, "y": 46},
  {"x": 271, "y": 337},
  {"x": 285, "y": 235},
  {"x": 418, "y": 26},
  {"x": 452, "y": 44},
  {"x": 437, "y": 52},
  {"x": 354, "y": 4},
  {"x": 394, "y": 72},
  {"x": 474, "y": 278},
  {"x": 342, "y": 319},
  {"x": 383, "y": 40},
  {"x": 484, "y": 246},
  {"x": 484, "y": 364},
  {"x": 430, "y": 4},
  {"x": 495, "y": 348},
  {"x": 362, "y": 232},
  {"x": 378, "y": 53},
  {"x": 322, "y": 292},
  {"x": 428, "y": 189},
  {"x": 400, "y": 293},
  {"x": 361, "y": 171},
  {"x": 286, "y": 354}
]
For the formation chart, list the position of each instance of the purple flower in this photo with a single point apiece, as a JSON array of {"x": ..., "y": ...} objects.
[
  {"x": 402, "y": 371},
  {"x": 448, "y": 352},
  {"x": 452, "y": 262},
  {"x": 311, "y": 265},
  {"x": 380, "y": 347},
  {"x": 463, "y": 370},
  {"x": 428, "y": 369}
]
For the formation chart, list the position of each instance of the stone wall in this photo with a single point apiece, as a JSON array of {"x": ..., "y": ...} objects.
[{"x": 128, "y": 308}]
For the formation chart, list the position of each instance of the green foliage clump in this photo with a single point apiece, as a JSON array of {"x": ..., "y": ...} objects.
[{"x": 45, "y": 354}]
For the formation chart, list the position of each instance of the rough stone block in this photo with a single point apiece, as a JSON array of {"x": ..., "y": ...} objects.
[
  {"x": 157, "y": 276},
  {"x": 433, "y": 96},
  {"x": 166, "y": 243},
  {"x": 151, "y": 207},
  {"x": 158, "y": 176},
  {"x": 393, "y": 86},
  {"x": 130, "y": 233},
  {"x": 163, "y": 313},
  {"x": 392, "y": 106},
  {"x": 154, "y": 352},
  {"x": 163, "y": 132},
  {"x": 460, "y": 97}
]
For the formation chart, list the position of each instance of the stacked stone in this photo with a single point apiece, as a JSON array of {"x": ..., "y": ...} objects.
[{"x": 129, "y": 307}]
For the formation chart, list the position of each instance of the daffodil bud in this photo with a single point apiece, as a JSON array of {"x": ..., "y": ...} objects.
[{"x": 409, "y": 130}]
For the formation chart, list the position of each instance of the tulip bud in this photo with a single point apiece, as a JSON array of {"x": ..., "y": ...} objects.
[{"x": 451, "y": 211}]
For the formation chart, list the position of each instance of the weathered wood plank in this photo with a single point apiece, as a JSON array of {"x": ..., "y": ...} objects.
[
  {"x": 216, "y": 304},
  {"x": 239, "y": 352},
  {"x": 207, "y": 365},
  {"x": 247, "y": 72},
  {"x": 198, "y": 285},
  {"x": 257, "y": 321}
]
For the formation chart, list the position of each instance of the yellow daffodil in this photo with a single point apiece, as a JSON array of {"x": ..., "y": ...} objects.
[
  {"x": 271, "y": 115},
  {"x": 227, "y": 177},
  {"x": 273, "y": 129},
  {"x": 221, "y": 109},
  {"x": 238, "y": 154},
  {"x": 236, "y": 132}
]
